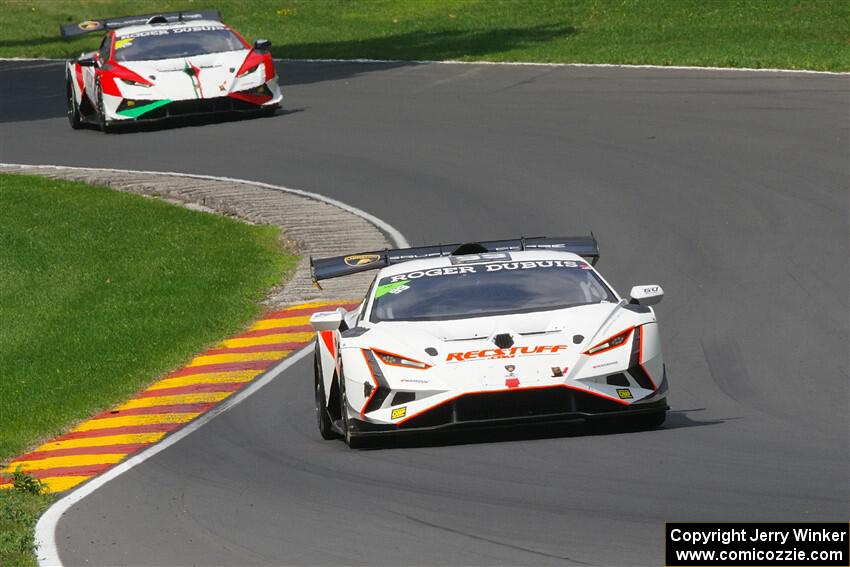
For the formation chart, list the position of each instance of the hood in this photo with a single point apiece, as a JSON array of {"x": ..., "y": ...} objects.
[
  {"x": 542, "y": 344},
  {"x": 202, "y": 76}
]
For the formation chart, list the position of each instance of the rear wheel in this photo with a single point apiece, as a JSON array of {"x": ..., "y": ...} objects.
[
  {"x": 322, "y": 416},
  {"x": 74, "y": 118}
]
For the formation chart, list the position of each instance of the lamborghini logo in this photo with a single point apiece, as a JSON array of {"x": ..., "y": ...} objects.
[{"x": 361, "y": 259}]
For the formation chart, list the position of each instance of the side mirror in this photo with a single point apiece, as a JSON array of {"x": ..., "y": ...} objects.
[
  {"x": 646, "y": 294},
  {"x": 262, "y": 45},
  {"x": 327, "y": 320},
  {"x": 87, "y": 62}
]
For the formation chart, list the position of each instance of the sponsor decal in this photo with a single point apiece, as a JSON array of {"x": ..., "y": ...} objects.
[
  {"x": 558, "y": 372},
  {"x": 624, "y": 393},
  {"x": 483, "y": 268},
  {"x": 122, "y": 43},
  {"x": 222, "y": 87},
  {"x": 512, "y": 382},
  {"x": 395, "y": 288},
  {"x": 362, "y": 260},
  {"x": 605, "y": 364},
  {"x": 496, "y": 353},
  {"x": 399, "y": 413},
  {"x": 175, "y": 31},
  {"x": 89, "y": 25},
  {"x": 510, "y": 368},
  {"x": 193, "y": 73}
]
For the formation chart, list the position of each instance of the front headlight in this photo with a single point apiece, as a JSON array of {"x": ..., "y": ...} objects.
[
  {"x": 248, "y": 71},
  {"x": 398, "y": 360},
  {"x": 612, "y": 342}
]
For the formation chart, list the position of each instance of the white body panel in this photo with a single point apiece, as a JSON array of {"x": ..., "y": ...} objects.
[
  {"x": 549, "y": 350},
  {"x": 194, "y": 78}
]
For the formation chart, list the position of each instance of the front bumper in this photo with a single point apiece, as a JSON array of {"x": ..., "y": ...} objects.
[
  {"x": 506, "y": 407},
  {"x": 119, "y": 109}
]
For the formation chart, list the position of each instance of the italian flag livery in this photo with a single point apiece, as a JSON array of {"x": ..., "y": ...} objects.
[
  {"x": 171, "y": 65},
  {"x": 493, "y": 333}
]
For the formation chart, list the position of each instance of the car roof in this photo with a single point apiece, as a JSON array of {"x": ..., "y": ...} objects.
[
  {"x": 129, "y": 30},
  {"x": 444, "y": 261}
]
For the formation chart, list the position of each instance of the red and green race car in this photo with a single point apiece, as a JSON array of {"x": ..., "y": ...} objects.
[{"x": 157, "y": 66}]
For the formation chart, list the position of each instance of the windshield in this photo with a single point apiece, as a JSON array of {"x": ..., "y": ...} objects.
[
  {"x": 495, "y": 288},
  {"x": 172, "y": 43}
]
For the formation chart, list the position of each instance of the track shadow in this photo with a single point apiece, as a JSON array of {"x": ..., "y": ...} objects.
[
  {"x": 404, "y": 48},
  {"x": 676, "y": 419},
  {"x": 35, "y": 90},
  {"x": 198, "y": 120}
]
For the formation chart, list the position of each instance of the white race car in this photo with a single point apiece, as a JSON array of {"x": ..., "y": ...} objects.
[
  {"x": 484, "y": 334},
  {"x": 161, "y": 65}
]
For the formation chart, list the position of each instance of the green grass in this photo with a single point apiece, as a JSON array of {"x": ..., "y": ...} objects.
[
  {"x": 798, "y": 34},
  {"x": 101, "y": 292},
  {"x": 19, "y": 512}
]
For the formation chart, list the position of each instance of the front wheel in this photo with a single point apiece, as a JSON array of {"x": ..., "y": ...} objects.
[
  {"x": 322, "y": 415},
  {"x": 104, "y": 124},
  {"x": 353, "y": 441},
  {"x": 74, "y": 118}
]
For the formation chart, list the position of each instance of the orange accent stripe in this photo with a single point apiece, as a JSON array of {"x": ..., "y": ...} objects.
[{"x": 375, "y": 380}]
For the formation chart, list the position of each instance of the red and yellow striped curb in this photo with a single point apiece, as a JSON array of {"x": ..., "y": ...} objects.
[{"x": 108, "y": 438}]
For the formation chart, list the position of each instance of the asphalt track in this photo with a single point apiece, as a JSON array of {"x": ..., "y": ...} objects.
[{"x": 729, "y": 189}]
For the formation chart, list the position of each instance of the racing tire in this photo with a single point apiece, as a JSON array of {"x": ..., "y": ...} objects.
[
  {"x": 74, "y": 118},
  {"x": 353, "y": 441},
  {"x": 322, "y": 416},
  {"x": 105, "y": 126}
]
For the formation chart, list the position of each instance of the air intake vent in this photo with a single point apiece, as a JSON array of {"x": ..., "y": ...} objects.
[
  {"x": 403, "y": 398},
  {"x": 618, "y": 380},
  {"x": 503, "y": 340}
]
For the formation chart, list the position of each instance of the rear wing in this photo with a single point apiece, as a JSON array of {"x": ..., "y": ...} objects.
[
  {"x": 326, "y": 268},
  {"x": 91, "y": 26}
]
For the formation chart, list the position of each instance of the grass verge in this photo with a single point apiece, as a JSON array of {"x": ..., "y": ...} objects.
[
  {"x": 19, "y": 512},
  {"x": 101, "y": 291},
  {"x": 794, "y": 34}
]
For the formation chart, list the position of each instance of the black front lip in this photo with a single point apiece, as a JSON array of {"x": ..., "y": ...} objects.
[
  {"x": 192, "y": 107},
  {"x": 367, "y": 429}
]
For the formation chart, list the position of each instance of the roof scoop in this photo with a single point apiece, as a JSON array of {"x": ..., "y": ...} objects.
[
  {"x": 503, "y": 340},
  {"x": 469, "y": 248}
]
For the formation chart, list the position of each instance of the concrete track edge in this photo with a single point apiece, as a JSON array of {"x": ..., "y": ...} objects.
[{"x": 517, "y": 63}]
